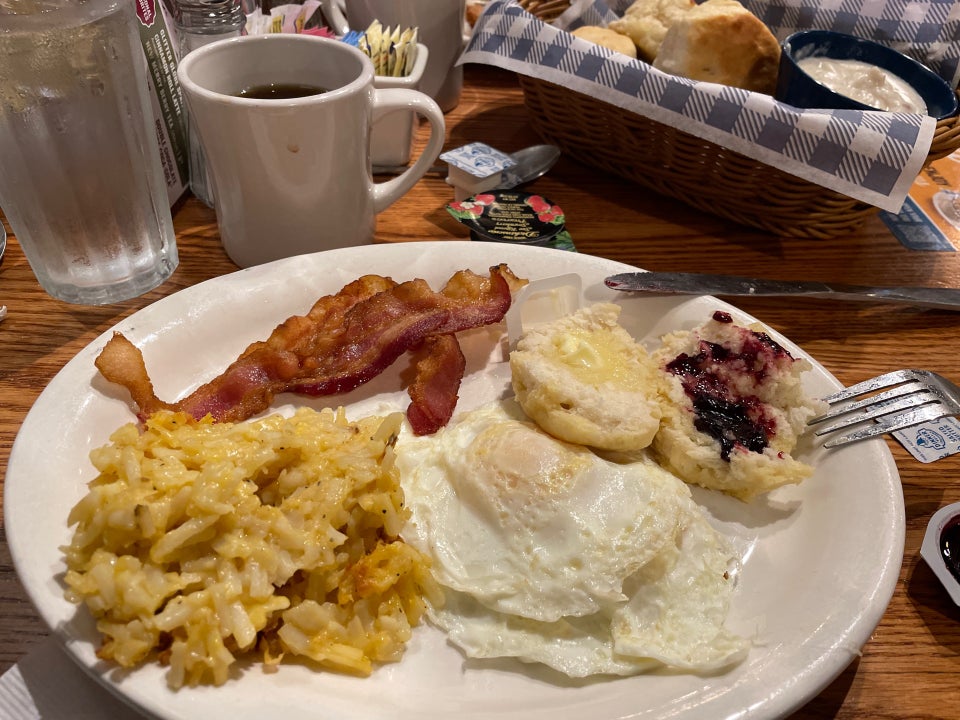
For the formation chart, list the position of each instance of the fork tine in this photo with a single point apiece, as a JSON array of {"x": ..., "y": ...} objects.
[
  {"x": 876, "y": 383},
  {"x": 871, "y": 412},
  {"x": 869, "y": 401},
  {"x": 915, "y": 417}
]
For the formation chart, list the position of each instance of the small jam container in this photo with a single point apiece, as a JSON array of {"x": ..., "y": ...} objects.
[
  {"x": 475, "y": 168},
  {"x": 941, "y": 548},
  {"x": 510, "y": 216}
]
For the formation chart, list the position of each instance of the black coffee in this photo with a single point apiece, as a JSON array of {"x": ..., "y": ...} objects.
[{"x": 280, "y": 91}]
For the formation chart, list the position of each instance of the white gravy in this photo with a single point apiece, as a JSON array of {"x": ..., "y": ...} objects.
[{"x": 865, "y": 83}]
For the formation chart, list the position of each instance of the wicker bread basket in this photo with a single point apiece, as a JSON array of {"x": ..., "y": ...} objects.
[{"x": 700, "y": 173}]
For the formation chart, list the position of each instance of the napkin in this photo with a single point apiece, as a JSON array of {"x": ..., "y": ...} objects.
[
  {"x": 870, "y": 156},
  {"x": 48, "y": 685}
]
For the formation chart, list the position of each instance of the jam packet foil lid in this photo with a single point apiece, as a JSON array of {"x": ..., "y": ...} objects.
[
  {"x": 510, "y": 216},
  {"x": 869, "y": 156}
]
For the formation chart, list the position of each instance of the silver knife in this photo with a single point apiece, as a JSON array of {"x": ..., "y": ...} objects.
[{"x": 678, "y": 283}]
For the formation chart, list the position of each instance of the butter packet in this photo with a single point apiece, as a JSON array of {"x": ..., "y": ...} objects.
[
  {"x": 931, "y": 441},
  {"x": 475, "y": 168}
]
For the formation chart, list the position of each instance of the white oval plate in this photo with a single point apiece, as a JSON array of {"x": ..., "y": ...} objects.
[{"x": 820, "y": 559}]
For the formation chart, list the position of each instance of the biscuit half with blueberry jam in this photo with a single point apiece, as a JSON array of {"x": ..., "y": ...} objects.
[{"x": 733, "y": 408}]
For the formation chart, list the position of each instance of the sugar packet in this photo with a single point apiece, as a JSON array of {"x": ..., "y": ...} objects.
[{"x": 393, "y": 51}]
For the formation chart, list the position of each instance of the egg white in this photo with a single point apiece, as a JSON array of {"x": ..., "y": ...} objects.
[
  {"x": 576, "y": 646},
  {"x": 679, "y": 602},
  {"x": 551, "y": 554},
  {"x": 674, "y": 618},
  {"x": 529, "y": 525}
]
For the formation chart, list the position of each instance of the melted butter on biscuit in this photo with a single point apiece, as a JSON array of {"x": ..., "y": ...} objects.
[
  {"x": 585, "y": 380},
  {"x": 595, "y": 357}
]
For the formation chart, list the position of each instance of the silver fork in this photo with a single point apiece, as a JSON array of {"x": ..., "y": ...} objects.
[{"x": 896, "y": 400}]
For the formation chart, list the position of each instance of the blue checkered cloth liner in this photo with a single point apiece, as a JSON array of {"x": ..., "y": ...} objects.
[{"x": 870, "y": 156}]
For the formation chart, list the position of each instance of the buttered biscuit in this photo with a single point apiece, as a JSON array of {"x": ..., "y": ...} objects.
[{"x": 585, "y": 380}]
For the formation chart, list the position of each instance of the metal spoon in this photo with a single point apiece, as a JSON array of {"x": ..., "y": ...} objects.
[{"x": 532, "y": 162}]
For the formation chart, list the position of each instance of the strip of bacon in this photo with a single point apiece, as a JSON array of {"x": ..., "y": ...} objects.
[
  {"x": 378, "y": 331},
  {"x": 234, "y": 394},
  {"x": 345, "y": 340},
  {"x": 439, "y": 367}
]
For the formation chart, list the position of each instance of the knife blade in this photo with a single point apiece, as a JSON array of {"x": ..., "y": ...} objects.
[{"x": 679, "y": 283}]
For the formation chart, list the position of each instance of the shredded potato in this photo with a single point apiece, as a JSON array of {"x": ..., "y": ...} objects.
[{"x": 200, "y": 542}]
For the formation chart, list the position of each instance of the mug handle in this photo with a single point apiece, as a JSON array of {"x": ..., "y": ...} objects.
[
  {"x": 333, "y": 11},
  {"x": 388, "y": 100}
]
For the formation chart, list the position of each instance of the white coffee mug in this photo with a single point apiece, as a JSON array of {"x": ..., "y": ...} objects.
[
  {"x": 440, "y": 25},
  {"x": 391, "y": 137},
  {"x": 293, "y": 176}
]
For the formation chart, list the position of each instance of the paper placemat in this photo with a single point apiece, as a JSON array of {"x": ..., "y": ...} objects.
[
  {"x": 870, "y": 156},
  {"x": 48, "y": 685},
  {"x": 930, "y": 218}
]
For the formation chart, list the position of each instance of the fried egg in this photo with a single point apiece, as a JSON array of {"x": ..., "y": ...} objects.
[
  {"x": 529, "y": 525},
  {"x": 552, "y": 554},
  {"x": 675, "y": 618}
]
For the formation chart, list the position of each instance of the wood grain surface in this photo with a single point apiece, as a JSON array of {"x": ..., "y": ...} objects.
[{"x": 910, "y": 668}]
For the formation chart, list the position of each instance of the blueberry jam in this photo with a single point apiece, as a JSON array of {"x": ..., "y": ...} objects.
[
  {"x": 731, "y": 419},
  {"x": 950, "y": 547}
]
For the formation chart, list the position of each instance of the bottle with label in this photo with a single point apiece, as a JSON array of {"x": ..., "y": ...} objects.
[{"x": 200, "y": 22}]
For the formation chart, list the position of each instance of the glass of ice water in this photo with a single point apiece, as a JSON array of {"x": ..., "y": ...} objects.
[{"x": 81, "y": 181}]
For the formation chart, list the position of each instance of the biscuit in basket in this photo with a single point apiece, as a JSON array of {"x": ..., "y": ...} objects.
[
  {"x": 607, "y": 38},
  {"x": 585, "y": 380},
  {"x": 721, "y": 41},
  {"x": 646, "y": 21}
]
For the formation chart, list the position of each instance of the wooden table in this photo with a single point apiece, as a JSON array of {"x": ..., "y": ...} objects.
[{"x": 910, "y": 668}]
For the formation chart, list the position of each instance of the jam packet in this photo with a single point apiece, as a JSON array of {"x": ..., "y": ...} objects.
[{"x": 511, "y": 216}]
